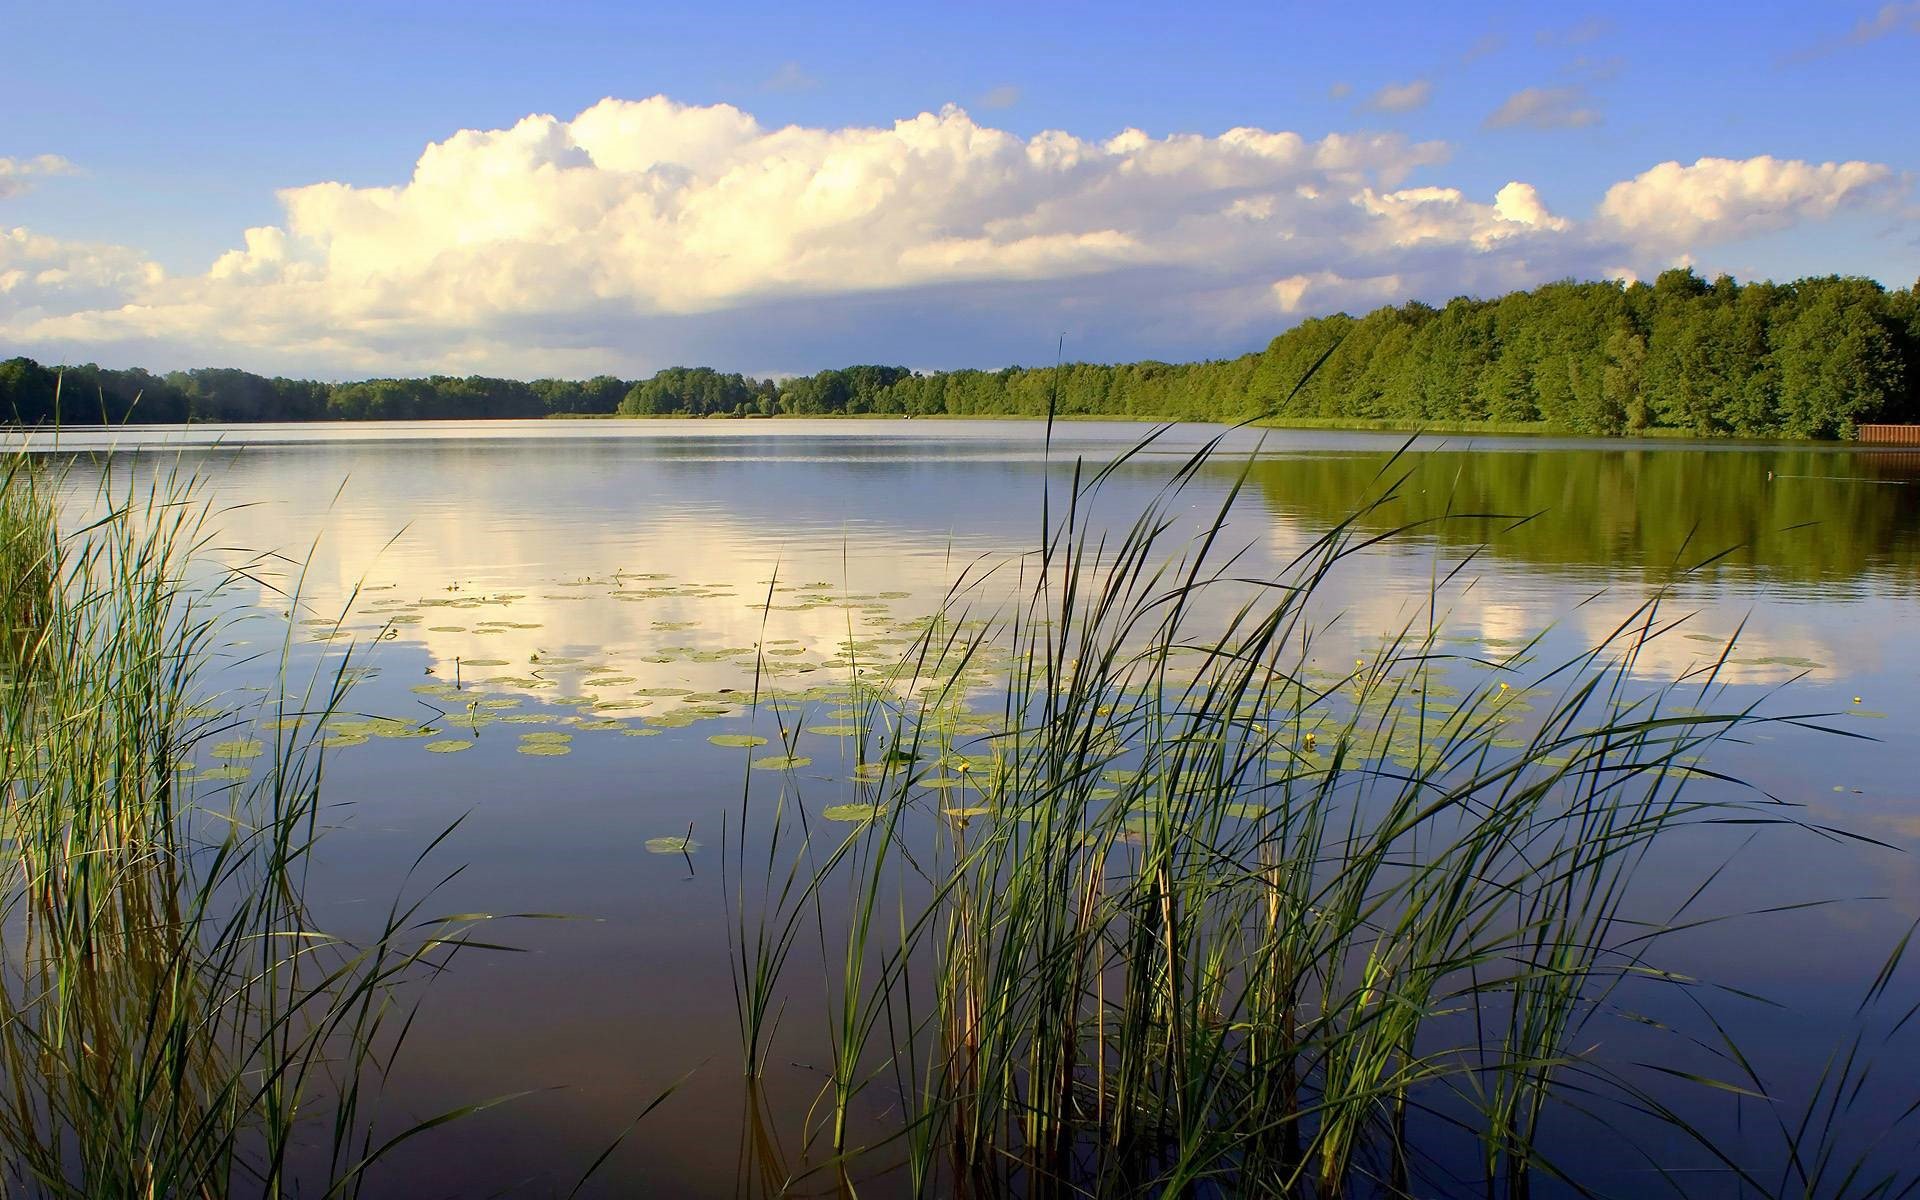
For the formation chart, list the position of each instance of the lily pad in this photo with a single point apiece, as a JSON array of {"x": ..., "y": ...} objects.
[
  {"x": 450, "y": 746},
  {"x": 781, "y": 762},
  {"x": 738, "y": 740},
  {"x": 672, "y": 845}
]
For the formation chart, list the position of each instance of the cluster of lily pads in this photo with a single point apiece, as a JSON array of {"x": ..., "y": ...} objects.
[{"x": 887, "y": 684}]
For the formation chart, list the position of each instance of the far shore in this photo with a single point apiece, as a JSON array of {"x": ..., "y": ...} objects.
[
  {"x": 1332, "y": 424},
  {"x": 1515, "y": 429}
]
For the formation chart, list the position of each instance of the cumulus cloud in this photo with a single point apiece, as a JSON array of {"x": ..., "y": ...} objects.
[
  {"x": 639, "y": 233},
  {"x": 1721, "y": 199},
  {"x": 1545, "y": 108},
  {"x": 43, "y": 276},
  {"x": 1402, "y": 97},
  {"x": 19, "y": 174}
]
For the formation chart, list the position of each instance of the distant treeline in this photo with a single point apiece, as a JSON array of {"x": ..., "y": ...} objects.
[{"x": 1806, "y": 359}]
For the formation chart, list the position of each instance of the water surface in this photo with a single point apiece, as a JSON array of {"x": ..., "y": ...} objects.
[{"x": 617, "y": 582}]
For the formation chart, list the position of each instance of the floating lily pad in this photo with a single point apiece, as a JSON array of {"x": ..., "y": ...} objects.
[
  {"x": 544, "y": 749},
  {"x": 242, "y": 748},
  {"x": 781, "y": 762},
  {"x": 450, "y": 746},
  {"x": 740, "y": 740},
  {"x": 672, "y": 845},
  {"x": 853, "y": 812},
  {"x": 401, "y": 730}
]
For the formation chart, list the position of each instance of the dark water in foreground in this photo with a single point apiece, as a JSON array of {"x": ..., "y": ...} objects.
[{"x": 607, "y": 582}]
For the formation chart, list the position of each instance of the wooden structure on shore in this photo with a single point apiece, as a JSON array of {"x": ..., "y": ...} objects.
[{"x": 1890, "y": 435}]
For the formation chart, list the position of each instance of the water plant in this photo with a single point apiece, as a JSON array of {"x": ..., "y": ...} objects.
[
  {"x": 1194, "y": 912},
  {"x": 172, "y": 1021}
]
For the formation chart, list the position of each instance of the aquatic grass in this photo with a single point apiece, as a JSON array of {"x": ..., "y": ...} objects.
[
  {"x": 1209, "y": 918},
  {"x": 172, "y": 1022}
]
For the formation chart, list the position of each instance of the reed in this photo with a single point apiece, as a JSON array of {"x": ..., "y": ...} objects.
[
  {"x": 1193, "y": 915},
  {"x": 172, "y": 1021}
]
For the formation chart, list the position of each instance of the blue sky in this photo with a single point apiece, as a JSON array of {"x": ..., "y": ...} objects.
[{"x": 139, "y": 144}]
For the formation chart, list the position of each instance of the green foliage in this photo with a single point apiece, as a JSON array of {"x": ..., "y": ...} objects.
[
  {"x": 696, "y": 392},
  {"x": 1810, "y": 359}
]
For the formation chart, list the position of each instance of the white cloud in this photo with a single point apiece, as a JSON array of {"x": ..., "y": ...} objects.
[
  {"x": 19, "y": 174},
  {"x": 1518, "y": 203},
  {"x": 642, "y": 233},
  {"x": 1720, "y": 199},
  {"x": 43, "y": 276},
  {"x": 1545, "y": 108},
  {"x": 1402, "y": 97}
]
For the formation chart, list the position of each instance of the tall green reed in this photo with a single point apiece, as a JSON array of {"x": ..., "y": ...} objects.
[
  {"x": 172, "y": 1021},
  {"x": 1195, "y": 913}
]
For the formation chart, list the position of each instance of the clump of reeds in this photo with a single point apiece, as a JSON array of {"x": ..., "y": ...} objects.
[
  {"x": 1201, "y": 917},
  {"x": 171, "y": 1021},
  {"x": 29, "y": 553}
]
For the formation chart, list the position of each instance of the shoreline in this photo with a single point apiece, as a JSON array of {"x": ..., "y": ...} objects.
[
  {"x": 1501, "y": 429},
  {"x": 1518, "y": 429}
]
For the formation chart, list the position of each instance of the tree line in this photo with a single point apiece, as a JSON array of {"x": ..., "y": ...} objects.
[{"x": 1812, "y": 359}]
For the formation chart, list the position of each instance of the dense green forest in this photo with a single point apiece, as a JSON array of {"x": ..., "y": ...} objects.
[{"x": 1811, "y": 358}]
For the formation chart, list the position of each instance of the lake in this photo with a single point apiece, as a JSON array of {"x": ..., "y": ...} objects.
[{"x": 626, "y": 587}]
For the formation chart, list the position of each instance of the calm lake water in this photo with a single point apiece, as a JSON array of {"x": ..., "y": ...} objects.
[{"x": 609, "y": 581}]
